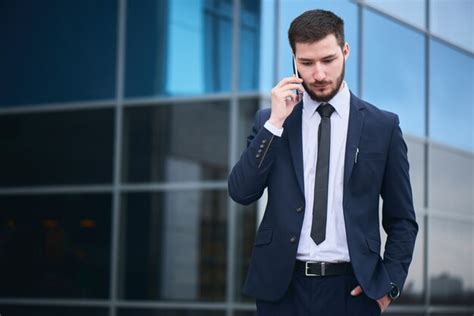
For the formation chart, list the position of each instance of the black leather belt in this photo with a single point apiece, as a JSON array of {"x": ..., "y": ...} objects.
[{"x": 310, "y": 268}]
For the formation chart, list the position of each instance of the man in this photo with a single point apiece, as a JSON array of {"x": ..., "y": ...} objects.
[{"x": 325, "y": 160}]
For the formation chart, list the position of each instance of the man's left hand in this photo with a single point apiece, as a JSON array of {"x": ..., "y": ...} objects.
[{"x": 383, "y": 301}]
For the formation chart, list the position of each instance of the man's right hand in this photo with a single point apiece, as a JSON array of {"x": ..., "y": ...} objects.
[{"x": 284, "y": 99}]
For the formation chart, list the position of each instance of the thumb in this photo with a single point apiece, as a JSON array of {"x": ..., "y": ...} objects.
[{"x": 356, "y": 291}]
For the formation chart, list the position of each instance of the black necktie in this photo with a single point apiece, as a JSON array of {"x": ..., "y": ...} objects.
[{"x": 318, "y": 228}]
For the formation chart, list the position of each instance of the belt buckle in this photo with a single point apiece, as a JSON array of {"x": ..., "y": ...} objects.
[{"x": 323, "y": 269}]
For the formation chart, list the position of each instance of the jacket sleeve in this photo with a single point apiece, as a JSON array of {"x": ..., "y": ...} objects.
[
  {"x": 398, "y": 215},
  {"x": 249, "y": 177}
]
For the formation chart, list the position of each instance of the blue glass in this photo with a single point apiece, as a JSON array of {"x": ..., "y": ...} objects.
[
  {"x": 393, "y": 70},
  {"x": 290, "y": 9},
  {"x": 412, "y": 11},
  {"x": 267, "y": 46},
  {"x": 57, "y": 51},
  {"x": 451, "y": 96},
  {"x": 249, "y": 44},
  {"x": 178, "y": 47},
  {"x": 453, "y": 21}
]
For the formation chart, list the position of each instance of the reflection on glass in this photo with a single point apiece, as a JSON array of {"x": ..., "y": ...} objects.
[
  {"x": 249, "y": 44},
  {"x": 73, "y": 147},
  {"x": 412, "y": 11},
  {"x": 452, "y": 20},
  {"x": 18, "y": 310},
  {"x": 168, "y": 312},
  {"x": 450, "y": 257},
  {"x": 55, "y": 246},
  {"x": 179, "y": 142},
  {"x": 290, "y": 9},
  {"x": 174, "y": 245},
  {"x": 451, "y": 175},
  {"x": 394, "y": 71},
  {"x": 413, "y": 290},
  {"x": 57, "y": 51},
  {"x": 416, "y": 160},
  {"x": 178, "y": 47},
  {"x": 451, "y": 96}
]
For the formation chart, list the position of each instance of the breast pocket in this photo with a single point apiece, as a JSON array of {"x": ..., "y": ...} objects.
[{"x": 371, "y": 156}]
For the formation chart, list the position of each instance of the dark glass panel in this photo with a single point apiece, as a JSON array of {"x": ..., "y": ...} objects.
[
  {"x": 168, "y": 312},
  {"x": 55, "y": 246},
  {"x": 451, "y": 261},
  {"x": 71, "y": 147},
  {"x": 57, "y": 51},
  {"x": 182, "y": 142},
  {"x": 174, "y": 245},
  {"x": 12, "y": 310}
]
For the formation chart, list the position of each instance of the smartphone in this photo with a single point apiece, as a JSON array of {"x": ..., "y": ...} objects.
[{"x": 295, "y": 72}]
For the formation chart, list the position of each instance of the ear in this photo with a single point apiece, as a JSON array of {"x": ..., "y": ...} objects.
[{"x": 346, "y": 51}]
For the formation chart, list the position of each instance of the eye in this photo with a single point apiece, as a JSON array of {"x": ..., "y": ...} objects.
[
  {"x": 328, "y": 61},
  {"x": 306, "y": 63}
]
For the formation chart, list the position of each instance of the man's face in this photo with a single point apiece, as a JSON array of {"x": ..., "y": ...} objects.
[{"x": 321, "y": 66}]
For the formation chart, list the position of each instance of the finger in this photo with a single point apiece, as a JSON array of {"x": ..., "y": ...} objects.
[
  {"x": 291, "y": 86},
  {"x": 356, "y": 291},
  {"x": 287, "y": 80}
]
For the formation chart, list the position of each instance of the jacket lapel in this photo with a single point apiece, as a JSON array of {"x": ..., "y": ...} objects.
[
  {"x": 293, "y": 126},
  {"x": 354, "y": 130}
]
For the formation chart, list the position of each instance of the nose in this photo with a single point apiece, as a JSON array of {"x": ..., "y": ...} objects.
[{"x": 319, "y": 74}]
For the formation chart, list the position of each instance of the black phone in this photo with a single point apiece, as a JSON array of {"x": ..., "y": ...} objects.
[{"x": 295, "y": 73}]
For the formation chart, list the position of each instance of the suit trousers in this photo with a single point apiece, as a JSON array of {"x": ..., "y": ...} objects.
[{"x": 320, "y": 296}]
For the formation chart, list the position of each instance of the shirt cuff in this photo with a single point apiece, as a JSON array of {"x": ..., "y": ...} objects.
[{"x": 274, "y": 130}]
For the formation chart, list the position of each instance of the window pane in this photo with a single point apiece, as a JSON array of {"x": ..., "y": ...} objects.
[
  {"x": 290, "y": 9},
  {"x": 55, "y": 246},
  {"x": 57, "y": 51},
  {"x": 452, "y": 20},
  {"x": 412, "y": 11},
  {"x": 394, "y": 71},
  {"x": 451, "y": 176},
  {"x": 247, "y": 111},
  {"x": 183, "y": 142},
  {"x": 9, "y": 310},
  {"x": 168, "y": 312},
  {"x": 249, "y": 44},
  {"x": 451, "y": 96},
  {"x": 450, "y": 262},
  {"x": 178, "y": 47},
  {"x": 72, "y": 147},
  {"x": 174, "y": 245}
]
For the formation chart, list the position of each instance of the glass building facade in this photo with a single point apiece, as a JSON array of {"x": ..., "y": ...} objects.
[{"x": 120, "y": 121}]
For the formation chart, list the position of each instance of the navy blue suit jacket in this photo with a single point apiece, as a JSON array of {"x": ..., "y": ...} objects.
[{"x": 381, "y": 170}]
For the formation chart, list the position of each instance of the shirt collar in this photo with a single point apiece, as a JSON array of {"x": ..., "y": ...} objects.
[{"x": 340, "y": 102}]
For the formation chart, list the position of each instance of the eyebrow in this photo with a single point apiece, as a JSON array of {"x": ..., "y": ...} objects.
[{"x": 325, "y": 57}]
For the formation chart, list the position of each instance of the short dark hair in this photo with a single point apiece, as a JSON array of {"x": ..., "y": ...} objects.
[{"x": 313, "y": 26}]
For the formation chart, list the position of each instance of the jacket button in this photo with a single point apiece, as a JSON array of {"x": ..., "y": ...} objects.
[
  {"x": 261, "y": 146},
  {"x": 264, "y": 141},
  {"x": 259, "y": 151},
  {"x": 293, "y": 239},
  {"x": 257, "y": 156},
  {"x": 299, "y": 209}
]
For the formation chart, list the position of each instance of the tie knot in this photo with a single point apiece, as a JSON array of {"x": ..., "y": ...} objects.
[{"x": 325, "y": 109}]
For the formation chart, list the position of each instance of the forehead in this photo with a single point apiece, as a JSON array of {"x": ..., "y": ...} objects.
[{"x": 320, "y": 49}]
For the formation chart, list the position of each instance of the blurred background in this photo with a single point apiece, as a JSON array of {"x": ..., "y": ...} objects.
[{"x": 120, "y": 121}]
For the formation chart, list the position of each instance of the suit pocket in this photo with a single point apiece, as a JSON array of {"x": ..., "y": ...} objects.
[
  {"x": 374, "y": 245},
  {"x": 370, "y": 156},
  {"x": 263, "y": 237}
]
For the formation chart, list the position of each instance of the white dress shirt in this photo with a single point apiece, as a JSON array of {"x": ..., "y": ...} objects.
[{"x": 334, "y": 248}]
